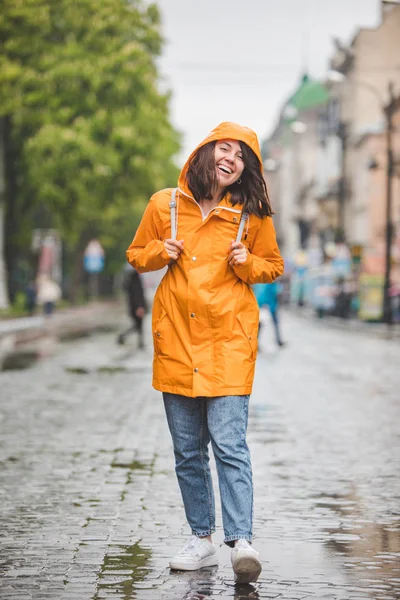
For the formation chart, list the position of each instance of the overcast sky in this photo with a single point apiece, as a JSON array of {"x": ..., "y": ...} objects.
[{"x": 238, "y": 60}]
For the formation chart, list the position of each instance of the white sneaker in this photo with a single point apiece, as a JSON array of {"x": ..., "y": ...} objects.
[
  {"x": 195, "y": 554},
  {"x": 245, "y": 563}
]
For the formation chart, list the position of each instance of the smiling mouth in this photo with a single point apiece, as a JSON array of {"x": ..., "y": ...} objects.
[{"x": 225, "y": 170}]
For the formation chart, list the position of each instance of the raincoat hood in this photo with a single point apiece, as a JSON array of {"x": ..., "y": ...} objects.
[{"x": 223, "y": 131}]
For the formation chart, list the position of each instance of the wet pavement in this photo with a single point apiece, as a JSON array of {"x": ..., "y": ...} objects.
[{"x": 90, "y": 508}]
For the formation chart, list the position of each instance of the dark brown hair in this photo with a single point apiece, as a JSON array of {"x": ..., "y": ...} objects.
[{"x": 251, "y": 193}]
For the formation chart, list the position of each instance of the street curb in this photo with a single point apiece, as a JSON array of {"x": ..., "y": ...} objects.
[{"x": 22, "y": 344}]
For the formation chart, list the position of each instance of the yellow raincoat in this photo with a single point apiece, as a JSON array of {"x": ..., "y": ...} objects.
[{"x": 205, "y": 315}]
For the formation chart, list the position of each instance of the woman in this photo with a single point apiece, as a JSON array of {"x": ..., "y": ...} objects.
[
  {"x": 205, "y": 322},
  {"x": 48, "y": 294}
]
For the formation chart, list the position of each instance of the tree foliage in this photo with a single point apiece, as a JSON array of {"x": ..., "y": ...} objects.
[{"x": 90, "y": 135}]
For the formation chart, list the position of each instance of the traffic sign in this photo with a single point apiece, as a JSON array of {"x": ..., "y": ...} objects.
[{"x": 93, "y": 257}]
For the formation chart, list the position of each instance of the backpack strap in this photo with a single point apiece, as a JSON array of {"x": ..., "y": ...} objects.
[
  {"x": 172, "y": 208},
  {"x": 243, "y": 218}
]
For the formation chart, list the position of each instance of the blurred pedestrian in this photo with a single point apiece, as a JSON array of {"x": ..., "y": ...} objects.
[
  {"x": 30, "y": 298},
  {"x": 48, "y": 294},
  {"x": 216, "y": 234},
  {"x": 137, "y": 305},
  {"x": 267, "y": 294},
  {"x": 343, "y": 298}
]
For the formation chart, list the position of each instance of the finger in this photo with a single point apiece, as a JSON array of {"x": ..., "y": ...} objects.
[
  {"x": 238, "y": 259},
  {"x": 172, "y": 248},
  {"x": 235, "y": 252},
  {"x": 235, "y": 245},
  {"x": 177, "y": 243}
]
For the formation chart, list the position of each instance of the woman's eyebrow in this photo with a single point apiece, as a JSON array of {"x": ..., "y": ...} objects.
[{"x": 230, "y": 146}]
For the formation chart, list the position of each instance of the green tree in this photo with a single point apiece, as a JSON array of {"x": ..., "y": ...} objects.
[{"x": 88, "y": 135}]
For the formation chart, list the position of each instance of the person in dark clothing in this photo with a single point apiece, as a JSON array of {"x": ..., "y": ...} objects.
[
  {"x": 137, "y": 305},
  {"x": 343, "y": 299},
  {"x": 30, "y": 298}
]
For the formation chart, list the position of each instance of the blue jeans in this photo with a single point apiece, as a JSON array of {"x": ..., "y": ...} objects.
[{"x": 193, "y": 423}]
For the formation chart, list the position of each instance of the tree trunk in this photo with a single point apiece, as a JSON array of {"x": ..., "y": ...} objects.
[
  {"x": 77, "y": 273},
  {"x": 10, "y": 207},
  {"x": 3, "y": 277}
]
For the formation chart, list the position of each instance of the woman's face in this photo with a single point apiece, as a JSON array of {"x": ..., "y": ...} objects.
[{"x": 228, "y": 161}]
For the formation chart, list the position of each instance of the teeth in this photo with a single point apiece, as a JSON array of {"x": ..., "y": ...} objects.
[{"x": 225, "y": 169}]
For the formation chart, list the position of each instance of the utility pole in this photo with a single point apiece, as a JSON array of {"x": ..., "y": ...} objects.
[
  {"x": 342, "y": 191},
  {"x": 3, "y": 279},
  {"x": 389, "y": 110}
]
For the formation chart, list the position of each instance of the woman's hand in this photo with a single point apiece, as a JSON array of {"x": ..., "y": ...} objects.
[
  {"x": 173, "y": 248},
  {"x": 238, "y": 255}
]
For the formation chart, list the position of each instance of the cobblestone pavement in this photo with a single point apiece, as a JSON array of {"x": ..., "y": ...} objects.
[{"x": 89, "y": 505}]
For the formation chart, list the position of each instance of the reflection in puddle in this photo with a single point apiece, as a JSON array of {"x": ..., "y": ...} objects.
[
  {"x": 245, "y": 592},
  {"x": 340, "y": 503},
  {"x": 195, "y": 585},
  {"x": 122, "y": 569},
  {"x": 250, "y": 595},
  {"x": 208, "y": 583},
  {"x": 372, "y": 550}
]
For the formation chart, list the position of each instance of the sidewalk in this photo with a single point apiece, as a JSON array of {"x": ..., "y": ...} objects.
[
  {"x": 25, "y": 340},
  {"x": 89, "y": 504},
  {"x": 353, "y": 324}
]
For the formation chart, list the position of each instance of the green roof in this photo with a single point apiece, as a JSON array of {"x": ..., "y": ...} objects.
[{"x": 309, "y": 94}]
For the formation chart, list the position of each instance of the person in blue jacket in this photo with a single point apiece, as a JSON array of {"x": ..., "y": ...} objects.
[{"x": 267, "y": 294}]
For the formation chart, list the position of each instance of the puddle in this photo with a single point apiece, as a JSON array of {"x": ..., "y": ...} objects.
[
  {"x": 19, "y": 360},
  {"x": 195, "y": 585},
  {"x": 135, "y": 465},
  {"x": 123, "y": 568},
  {"x": 111, "y": 369},
  {"x": 200, "y": 585},
  {"x": 77, "y": 370},
  {"x": 369, "y": 546},
  {"x": 108, "y": 369}
]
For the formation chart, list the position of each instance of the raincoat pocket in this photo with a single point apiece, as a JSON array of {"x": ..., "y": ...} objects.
[
  {"x": 250, "y": 332},
  {"x": 161, "y": 334}
]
